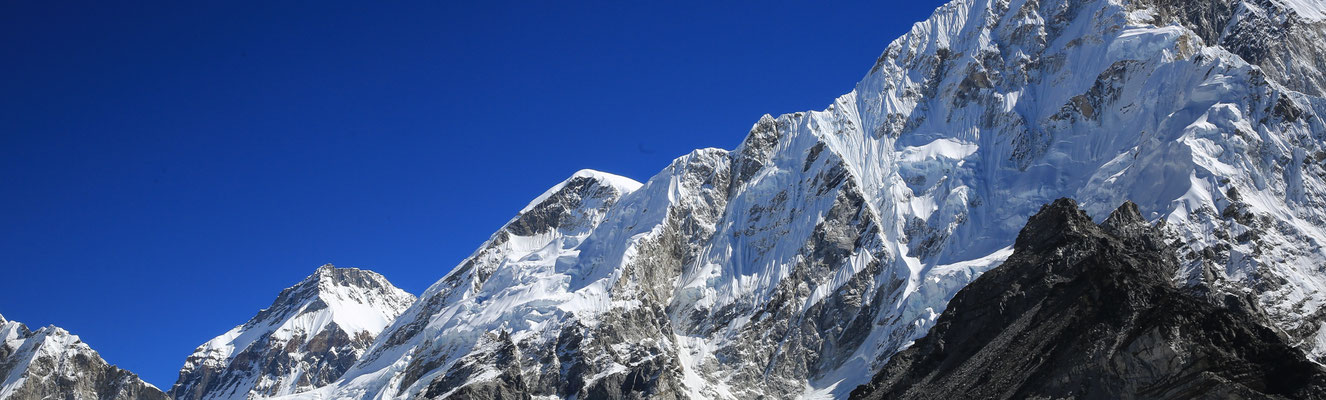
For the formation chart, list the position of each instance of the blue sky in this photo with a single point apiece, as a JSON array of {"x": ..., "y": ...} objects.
[{"x": 166, "y": 169}]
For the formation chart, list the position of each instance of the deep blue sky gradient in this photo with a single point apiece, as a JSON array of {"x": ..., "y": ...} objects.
[{"x": 166, "y": 169}]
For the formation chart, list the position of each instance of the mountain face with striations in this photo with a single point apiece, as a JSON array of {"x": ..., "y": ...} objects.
[
  {"x": 800, "y": 262},
  {"x": 1087, "y": 311},
  {"x": 51, "y": 363},
  {"x": 307, "y": 338}
]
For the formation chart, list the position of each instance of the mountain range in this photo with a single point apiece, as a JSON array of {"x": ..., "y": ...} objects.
[{"x": 907, "y": 241}]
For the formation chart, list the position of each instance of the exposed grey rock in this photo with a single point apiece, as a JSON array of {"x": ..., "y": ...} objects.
[
  {"x": 508, "y": 384},
  {"x": 1262, "y": 32}
]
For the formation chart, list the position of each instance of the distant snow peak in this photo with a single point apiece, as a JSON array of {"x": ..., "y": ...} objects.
[
  {"x": 310, "y": 334},
  {"x": 51, "y": 363}
]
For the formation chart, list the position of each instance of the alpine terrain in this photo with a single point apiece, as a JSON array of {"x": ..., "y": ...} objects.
[
  {"x": 798, "y": 263},
  {"x": 307, "y": 338},
  {"x": 51, "y": 363}
]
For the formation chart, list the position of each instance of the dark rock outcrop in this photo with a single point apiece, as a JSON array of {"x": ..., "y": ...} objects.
[{"x": 1089, "y": 311}]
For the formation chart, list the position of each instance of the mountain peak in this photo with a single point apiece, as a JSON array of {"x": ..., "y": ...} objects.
[
  {"x": 626, "y": 184},
  {"x": 619, "y": 185},
  {"x": 1127, "y": 214},
  {"x": 56, "y": 332},
  {"x": 574, "y": 205},
  {"x": 53, "y": 363},
  {"x": 1053, "y": 224},
  {"x": 328, "y": 277},
  {"x": 310, "y": 335}
]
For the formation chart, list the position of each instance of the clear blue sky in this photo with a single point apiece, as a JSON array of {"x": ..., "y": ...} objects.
[{"x": 166, "y": 169}]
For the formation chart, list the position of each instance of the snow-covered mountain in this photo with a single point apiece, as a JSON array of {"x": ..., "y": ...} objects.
[
  {"x": 799, "y": 262},
  {"x": 307, "y": 338},
  {"x": 51, "y": 363}
]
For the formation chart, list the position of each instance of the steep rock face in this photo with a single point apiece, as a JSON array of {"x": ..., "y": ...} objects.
[
  {"x": 504, "y": 316},
  {"x": 310, "y": 335},
  {"x": 1103, "y": 101},
  {"x": 1278, "y": 36},
  {"x": 797, "y": 263},
  {"x": 1087, "y": 311},
  {"x": 50, "y": 363}
]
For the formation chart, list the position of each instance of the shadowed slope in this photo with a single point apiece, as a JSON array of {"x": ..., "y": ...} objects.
[{"x": 1087, "y": 311}]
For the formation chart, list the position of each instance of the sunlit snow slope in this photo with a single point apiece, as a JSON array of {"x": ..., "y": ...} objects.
[
  {"x": 795, "y": 264},
  {"x": 309, "y": 336}
]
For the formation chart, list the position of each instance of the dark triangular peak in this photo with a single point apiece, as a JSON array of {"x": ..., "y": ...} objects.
[
  {"x": 1056, "y": 223},
  {"x": 1089, "y": 311},
  {"x": 1123, "y": 218},
  {"x": 1127, "y": 222}
]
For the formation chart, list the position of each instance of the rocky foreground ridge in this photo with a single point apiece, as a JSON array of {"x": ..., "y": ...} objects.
[{"x": 1087, "y": 311}]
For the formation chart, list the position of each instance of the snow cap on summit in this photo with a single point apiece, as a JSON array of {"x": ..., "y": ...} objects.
[
  {"x": 311, "y": 333},
  {"x": 622, "y": 184}
]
